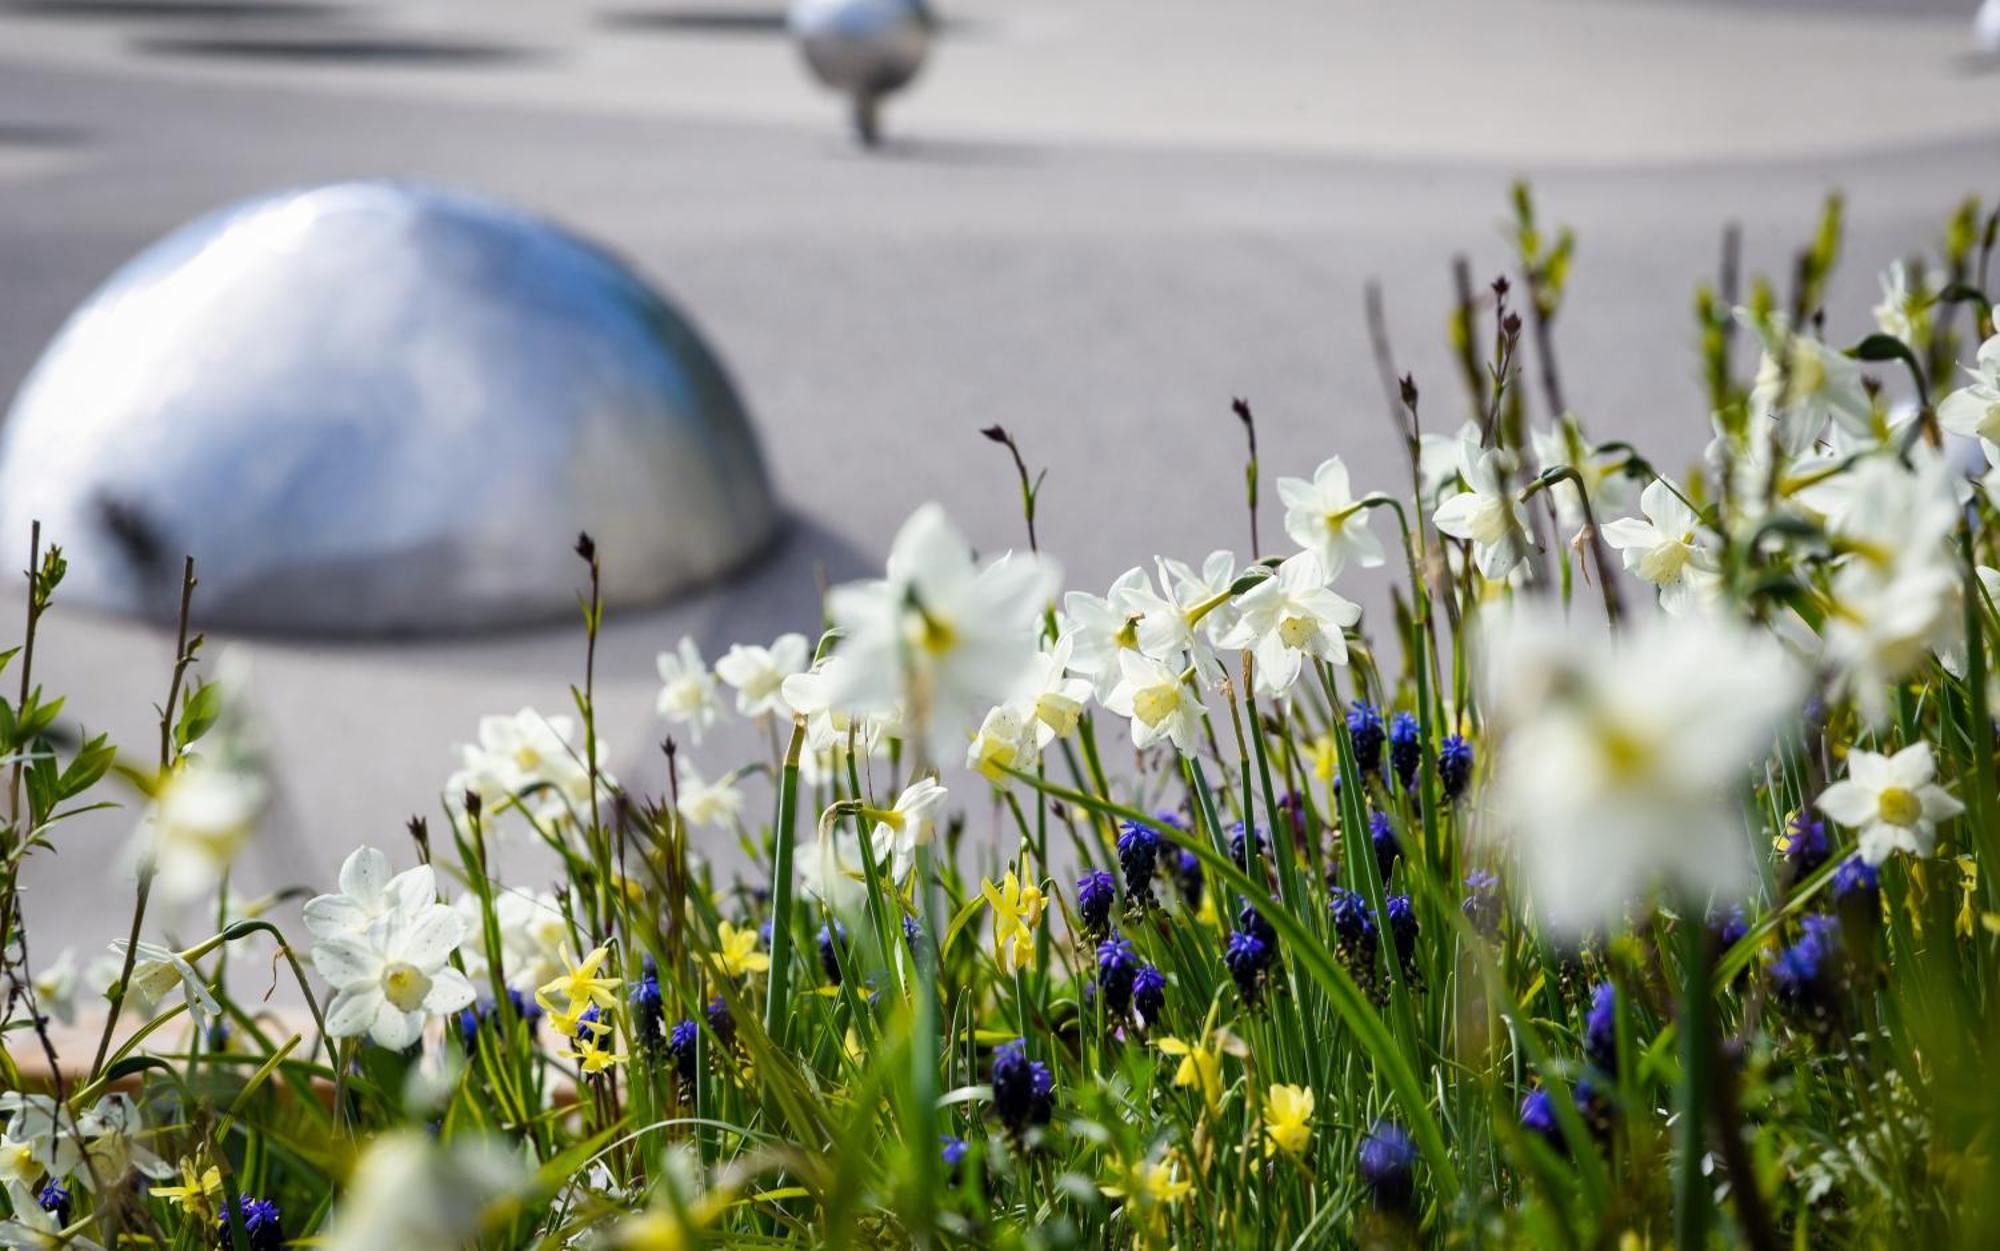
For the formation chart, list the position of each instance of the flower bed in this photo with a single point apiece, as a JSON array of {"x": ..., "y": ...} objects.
[{"x": 1620, "y": 887}]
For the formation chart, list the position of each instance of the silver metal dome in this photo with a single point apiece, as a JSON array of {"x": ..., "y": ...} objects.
[
  {"x": 864, "y": 49},
  {"x": 369, "y": 407}
]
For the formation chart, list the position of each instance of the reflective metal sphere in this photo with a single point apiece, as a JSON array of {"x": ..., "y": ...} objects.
[
  {"x": 368, "y": 407},
  {"x": 864, "y": 49}
]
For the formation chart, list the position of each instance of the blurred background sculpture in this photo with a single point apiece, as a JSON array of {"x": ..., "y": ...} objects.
[
  {"x": 370, "y": 407},
  {"x": 864, "y": 49}
]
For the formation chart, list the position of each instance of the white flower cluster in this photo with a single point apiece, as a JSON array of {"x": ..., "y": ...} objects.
[{"x": 384, "y": 943}]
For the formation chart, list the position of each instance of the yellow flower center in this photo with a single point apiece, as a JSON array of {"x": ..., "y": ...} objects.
[
  {"x": 1808, "y": 371},
  {"x": 1627, "y": 756},
  {"x": 1899, "y": 806},
  {"x": 1059, "y": 712},
  {"x": 1156, "y": 703},
  {"x": 1297, "y": 631},
  {"x": 935, "y": 636},
  {"x": 405, "y": 986}
]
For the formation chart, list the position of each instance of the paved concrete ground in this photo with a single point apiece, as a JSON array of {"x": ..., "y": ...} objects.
[{"x": 1092, "y": 238}]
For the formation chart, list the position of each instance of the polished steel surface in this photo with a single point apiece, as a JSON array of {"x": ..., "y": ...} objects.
[
  {"x": 864, "y": 49},
  {"x": 371, "y": 407}
]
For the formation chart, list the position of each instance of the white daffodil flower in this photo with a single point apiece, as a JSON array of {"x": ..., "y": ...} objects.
[
  {"x": 1881, "y": 628},
  {"x": 1189, "y": 591},
  {"x": 1182, "y": 626},
  {"x": 392, "y": 976},
  {"x": 1619, "y": 756},
  {"x": 1438, "y": 461},
  {"x": 1289, "y": 616},
  {"x": 1894, "y": 801},
  {"x": 1048, "y": 701},
  {"x": 829, "y": 869},
  {"x": 197, "y": 824},
  {"x": 114, "y": 1135},
  {"x": 1099, "y": 627},
  {"x": 157, "y": 970},
  {"x": 533, "y": 935},
  {"x": 528, "y": 752},
  {"x": 687, "y": 690},
  {"x": 1323, "y": 516},
  {"x": 41, "y": 1138},
  {"x": 757, "y": 674},
  {"x": 1006, "y": 739},
  {"x": 942, "y": 638},
  {"x": 1159, "y": 704},
  {"x": 1905, "y": 308},
  {"x": 1488, "y": 513},
  {"x": 911, "y": 823},
  {"x": 1804, "y": 385},
  {"x": 717, "y": 803},
  {"x": 409, "y": 1193},
  {"x": 56, "y": 987},
  {"x": 1669, "y": 549},
  {"x": 369, "y": 889},
  {"x": 1974, "y": 409}
]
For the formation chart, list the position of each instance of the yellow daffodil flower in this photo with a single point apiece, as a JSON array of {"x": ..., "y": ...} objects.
[
  {"x": 580, "y": 985},
  {"x": 1201, "y": 1060},
  {"x": 736, "y": 950},
  {"x": 195, "y": 1191},
  {"x": 1325, "y": 758},
  {"x": 595, "y": 1058},
  {"x": 1017, "y": 909},
  {"x": 1288, "y": 1114},
  {"x": 1150, "y": 1188}
]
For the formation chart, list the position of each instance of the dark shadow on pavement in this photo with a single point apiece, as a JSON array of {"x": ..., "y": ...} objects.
[
  {"x": 171, "y": 10},
  {"x": 341, "y": 50}
]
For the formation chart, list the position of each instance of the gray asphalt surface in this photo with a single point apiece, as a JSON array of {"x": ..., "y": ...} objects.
[{"x": 1102, "y": 300}]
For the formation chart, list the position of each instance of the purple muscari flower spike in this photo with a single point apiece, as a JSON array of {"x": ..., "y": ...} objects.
[
  {"x": 1856, "y": 880},
  {"x": 1803, "y": 974},
  {"x": 1481, "y": 904},
  {"x": 720, "y": 1022},
  {"x": 1364, "y": 727},
  {"x": 829, "y": 960},
  {"x": 1244, "y": 839},
  {"x": 1246, "y": 958},
  {"x": 1187, "y": 875},
  {"x": 1253, "y": 922},
  {"x": 1023, "y": 1089},
  {"x": 1096, "y": 891},
  {"x": 680, "y": 1049},
  {"x": 1138, "y": 855},
  {"x": 1405, "y": 748},
  {"x": 1387, "y": 847},
  {"x": 1728, "y": 925},
  {"x": 1803, "y": 844},
  {"x": 1117, "y": 968},
  {"x": 1149, "y": 993},
  {"x": 1402, "y": 917},
  {"x": 1600, "y": 1028},
  {"x": 1454, "y": 767},
  {"x": 263, "y": 1229},
  {"x": 647, "y": 1007},
  {"x": 1538, "y": 1115},
  {"x": 54, "y": 1199},
  {"x": 1355, "y": 938},
  {"x": 1387, "y": 1164},
  {"x": 952, "y": 1151}
]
